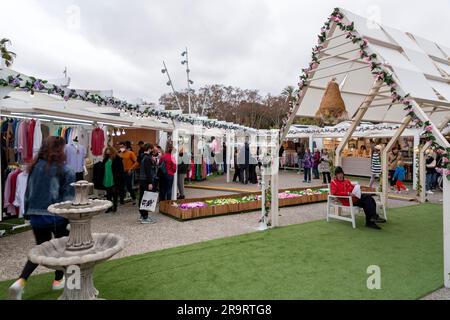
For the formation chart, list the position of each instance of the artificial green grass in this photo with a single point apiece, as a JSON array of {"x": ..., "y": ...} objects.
[{"x": 315, "y": 260}]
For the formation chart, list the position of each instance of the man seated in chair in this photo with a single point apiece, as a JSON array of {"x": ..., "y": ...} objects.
[{"x": 340, "y": 186}]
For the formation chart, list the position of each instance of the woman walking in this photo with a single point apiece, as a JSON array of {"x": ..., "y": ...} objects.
[
  {"x": 307, "y": 165},
  {"x": 147, "y": 173},
  {"x": 324, "y": 166},
  {"x": 113, "y": 179},
  {"x": 48, "y": 183},
  {"x": 375, "y": 163}
]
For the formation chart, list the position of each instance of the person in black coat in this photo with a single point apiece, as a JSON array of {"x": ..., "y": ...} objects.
[{"x": 147, "y": 174}]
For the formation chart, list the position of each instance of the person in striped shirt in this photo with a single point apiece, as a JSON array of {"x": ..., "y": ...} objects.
[{"x": 375, "y": 163}]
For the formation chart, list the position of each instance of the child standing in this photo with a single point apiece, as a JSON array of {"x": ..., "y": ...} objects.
[{"x": 399, "y": 176}]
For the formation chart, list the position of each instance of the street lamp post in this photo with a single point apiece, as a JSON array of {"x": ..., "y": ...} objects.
[
  {"x": 189, "y": 81},
  {"x": 169, "y": 83}
]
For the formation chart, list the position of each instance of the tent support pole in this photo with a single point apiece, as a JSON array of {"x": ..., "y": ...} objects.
[
  {"x": 384, "y": 156},
  {"x": 175, "y": 176},
  {"x": 228, "y": 154},
  {"x": 357, "y": 120},
  {"x": 3, "y": 93},
  {"x": 446, "y": 217},
  {"x": 274, "y": 177}
]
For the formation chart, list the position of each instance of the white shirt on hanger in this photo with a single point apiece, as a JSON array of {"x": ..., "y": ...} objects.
[{"x": 21, "y": 187}]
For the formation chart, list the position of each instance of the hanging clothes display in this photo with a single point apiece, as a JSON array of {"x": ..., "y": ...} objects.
[
  {"x": 75, "y": 154},
  {"x": 10, "y": 193},
  {"x": 37, "y": 137},
  {"x": 97, "y": 141},
  {"x": 21, "y": 187}
]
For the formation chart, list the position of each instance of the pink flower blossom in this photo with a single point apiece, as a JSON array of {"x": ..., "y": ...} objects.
[
  {"x": 429, "y": 128},
  {"x": 445, "y": 160}
]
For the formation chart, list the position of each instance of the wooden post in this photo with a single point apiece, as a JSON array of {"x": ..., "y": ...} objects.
[
  {"x": 274, "y": 177},
  {"x": 446, "y": 217},
  {"x": 384, "y": 155},
  {"x": 357, "y": 120},
  {"x": 422, "y": 172}
]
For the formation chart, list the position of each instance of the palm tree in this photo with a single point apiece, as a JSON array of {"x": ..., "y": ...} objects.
[
  {"x": 6, "y": 55},
  {"x": 289, "y": 93}
]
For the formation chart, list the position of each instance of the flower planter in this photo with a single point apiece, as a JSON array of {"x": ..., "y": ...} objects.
[{"x": 220, "y": 205}]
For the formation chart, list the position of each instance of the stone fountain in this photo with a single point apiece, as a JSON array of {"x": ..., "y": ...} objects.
[{"x": 81, "y": 250}]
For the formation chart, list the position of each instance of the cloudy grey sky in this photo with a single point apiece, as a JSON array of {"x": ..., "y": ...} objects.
[{"x": 253, "y": 44}]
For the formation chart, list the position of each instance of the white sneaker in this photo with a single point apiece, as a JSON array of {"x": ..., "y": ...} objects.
[
  {"x": 58, "y": 285},
  {"x": 17, "y": 289},
  {"x": 429, "y": 192},
  {"x": 147, "y": 221}
]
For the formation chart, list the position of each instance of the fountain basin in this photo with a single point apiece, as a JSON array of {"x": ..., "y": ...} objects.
[{"x": 53, "y": 253}]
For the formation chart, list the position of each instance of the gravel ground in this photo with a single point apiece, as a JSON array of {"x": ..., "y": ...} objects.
[{"x": 167, "y": 232}]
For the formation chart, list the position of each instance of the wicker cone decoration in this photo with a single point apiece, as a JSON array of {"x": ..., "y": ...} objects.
[{"x": 332, "y": 107}]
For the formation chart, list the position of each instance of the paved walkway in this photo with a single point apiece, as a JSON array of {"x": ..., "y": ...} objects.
[{"x": 167, "y": 232}]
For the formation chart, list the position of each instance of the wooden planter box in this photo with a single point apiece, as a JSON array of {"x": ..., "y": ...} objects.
[{"x": 208, "y": 211}]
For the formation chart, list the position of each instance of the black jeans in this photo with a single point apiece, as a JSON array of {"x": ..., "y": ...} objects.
[
  {"x": 326, "y": 177},
  {"x": 307, "y": 173},
  {"x": 79, "y": 176},
  {"x": 315, "y": 171},
  {"x": 143, "y": 186},
  {"x": 392, "y": 181},
  {"x": 112, "y": 195},
  {"x": 244, "y": 174},
  {"x": 165, "y": 192},
  {"x": 369, "y": 206},
  {"x": 42, "y": 235},
  {"x": 128, "y": 187},
  {"x": 237, "y": 174}
]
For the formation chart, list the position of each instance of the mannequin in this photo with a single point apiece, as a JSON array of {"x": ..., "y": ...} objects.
[{"x": 75, "y": 154}]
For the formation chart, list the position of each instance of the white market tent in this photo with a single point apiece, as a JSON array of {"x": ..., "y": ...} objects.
[{"x": 419, "y": 67}]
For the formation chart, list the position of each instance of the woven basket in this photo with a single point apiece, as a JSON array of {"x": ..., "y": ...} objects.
[{"x": 332, "y": 107}]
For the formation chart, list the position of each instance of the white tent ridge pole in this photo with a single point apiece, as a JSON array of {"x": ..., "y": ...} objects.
[
  {"x": 384, "y": 155},
  {"x": 350, "y": 92},
  {"x": 337, "y": 64},
  {"x": 303, "y": 93},
  {"x": 338, "y": 73},
  {"x": 336, "y": 46},
  {"x": 338, "y": 55},
  {"x": 357, "y": 119}
]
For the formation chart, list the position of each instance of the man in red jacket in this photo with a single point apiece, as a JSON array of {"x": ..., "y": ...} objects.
[{"x": 343, "y": 187}]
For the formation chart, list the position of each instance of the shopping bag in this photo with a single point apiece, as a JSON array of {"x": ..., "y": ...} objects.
[{"x": 149, "y": 201}]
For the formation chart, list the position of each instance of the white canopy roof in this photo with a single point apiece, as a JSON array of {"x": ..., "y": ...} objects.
[{"x": 420, "y": 67}]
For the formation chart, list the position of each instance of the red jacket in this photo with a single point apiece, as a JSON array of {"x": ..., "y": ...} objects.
[
  {"x": 171, "y": 166},
  {"x": 342, "y": 188}
]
